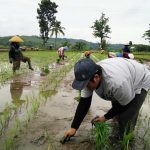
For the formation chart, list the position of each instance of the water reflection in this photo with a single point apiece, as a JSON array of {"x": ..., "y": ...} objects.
[{"x": 16, "y": 91}]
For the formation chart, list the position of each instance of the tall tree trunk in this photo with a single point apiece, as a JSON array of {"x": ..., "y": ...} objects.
[
  {"x": 55, "y": 41},
  {"x": 101, "y": 43}
]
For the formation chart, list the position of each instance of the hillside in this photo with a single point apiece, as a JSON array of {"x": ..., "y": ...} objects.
[{"x": 36, "y": 41}]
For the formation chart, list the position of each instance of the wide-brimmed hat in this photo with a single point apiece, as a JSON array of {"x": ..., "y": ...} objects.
[
  {"x": 84, "y": 70},
  {"x": 16, "y": 39}
]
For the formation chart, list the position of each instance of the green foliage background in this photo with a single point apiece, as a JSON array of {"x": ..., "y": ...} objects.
[{"x": 36, "y": 41}]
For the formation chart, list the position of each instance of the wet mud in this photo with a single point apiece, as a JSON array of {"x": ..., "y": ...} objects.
[{"x": 54, "y": 117}]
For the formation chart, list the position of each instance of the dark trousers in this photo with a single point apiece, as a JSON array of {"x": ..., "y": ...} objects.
[
  {"x": 127, "y": 119},
  {"x": 17, "y": 61}
]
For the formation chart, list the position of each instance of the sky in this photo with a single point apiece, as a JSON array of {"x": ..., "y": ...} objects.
[{"x": 128, "y": 19}]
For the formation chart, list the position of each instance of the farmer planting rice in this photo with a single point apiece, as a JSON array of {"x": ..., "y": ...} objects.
[
  {"x": 126, "y": 52},
  {"x": 15, "y": 54},
  {"x": 61, "y": 52},
  {"x": 123, "y": 81},
  {"x": 87, "y": 54}
]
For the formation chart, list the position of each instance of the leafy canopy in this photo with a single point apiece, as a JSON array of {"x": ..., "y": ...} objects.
[
  {"x": 101, "y": 28},
  {"x": 56, "y": 29},
  {"x": 146, "y": 35},
  {"x": 46, "y": 15}
]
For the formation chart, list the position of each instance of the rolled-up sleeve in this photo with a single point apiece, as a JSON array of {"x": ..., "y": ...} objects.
[{"x": 86, "y": 93}]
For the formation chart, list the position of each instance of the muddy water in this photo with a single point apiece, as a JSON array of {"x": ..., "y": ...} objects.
[
  {"x": 146, "y": 107},
  {"x": 16, "y": 90},
  {"x": 56, "y": 116}
]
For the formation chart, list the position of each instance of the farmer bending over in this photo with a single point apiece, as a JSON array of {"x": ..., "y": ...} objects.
[
  {"x": 61, "y": 52},
  {"x": 124, "y": 82},
  {"x": 87, "y": 54}
]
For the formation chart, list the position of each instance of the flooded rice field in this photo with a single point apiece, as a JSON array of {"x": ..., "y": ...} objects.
[
  {"x": 55, "y": 116},
  {"x": 50, "y": 115},
  {"x": 16, "y": 89}
]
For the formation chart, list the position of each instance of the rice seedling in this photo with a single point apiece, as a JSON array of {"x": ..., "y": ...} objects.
[
  {"x": 4, "y": 120},
  {"x": 28, "y": 117},
  {"x": 9, "y": 143},
  {"x": 54, "y": 79},
  {"x": 51, "y": 146},
  {"x": 127, "y": 138},
  {"x": 17, "y": 123},
  {"x": 35, "y": 105},
  {"x": 12, "y": 133},
  {"x": 101, "y": 135},
  {"x": 45, "y": 69}
]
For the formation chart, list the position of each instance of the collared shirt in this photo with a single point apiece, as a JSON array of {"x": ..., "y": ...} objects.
[{"x": 121, "y": 80}]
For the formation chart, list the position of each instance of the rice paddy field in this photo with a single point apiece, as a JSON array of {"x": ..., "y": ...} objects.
[{"x": 36, "y": 107}]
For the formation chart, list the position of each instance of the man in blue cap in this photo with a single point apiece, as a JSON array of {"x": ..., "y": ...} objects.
[{"x": 124, "y": 82}]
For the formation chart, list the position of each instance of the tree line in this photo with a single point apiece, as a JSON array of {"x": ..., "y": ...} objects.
[{"x": 50, "y": 26}]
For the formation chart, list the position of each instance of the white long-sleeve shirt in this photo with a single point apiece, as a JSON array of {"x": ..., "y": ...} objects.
[{"x": 121, "y": 80}]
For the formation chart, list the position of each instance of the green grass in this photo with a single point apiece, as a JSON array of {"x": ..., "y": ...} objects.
[
  {"x": 39, "y": 59},
  {"x": 142, "y": 56},
  {"x": 101, "y": 133},
  {"x": 127, "y": 138}
]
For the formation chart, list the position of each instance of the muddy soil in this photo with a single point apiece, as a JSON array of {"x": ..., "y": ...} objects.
[{"x": 55, "y": 117}]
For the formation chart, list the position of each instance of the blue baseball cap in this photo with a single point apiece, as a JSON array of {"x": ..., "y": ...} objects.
[{"x": 84, "y": 70}]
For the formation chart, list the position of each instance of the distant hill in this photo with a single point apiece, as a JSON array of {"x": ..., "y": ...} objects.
[{"x": 36, "y": 41}]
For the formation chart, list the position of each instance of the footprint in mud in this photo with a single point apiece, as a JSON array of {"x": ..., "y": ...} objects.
[{"x": 40, "y": 140}]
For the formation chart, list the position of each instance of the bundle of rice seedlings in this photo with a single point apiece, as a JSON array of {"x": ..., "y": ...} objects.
[
  {"x": 127, "y": 138},
  {"x": 101, "y": 135}
]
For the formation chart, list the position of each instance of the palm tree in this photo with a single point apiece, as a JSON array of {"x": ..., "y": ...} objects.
[{"x": 56, "y": 29}]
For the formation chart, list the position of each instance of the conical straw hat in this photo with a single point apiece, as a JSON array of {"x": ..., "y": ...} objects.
[{"x": 16, "y": 39}]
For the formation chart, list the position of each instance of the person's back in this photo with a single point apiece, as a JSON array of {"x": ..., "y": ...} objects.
[
  {"x": 61, "y": 53},
  {"x": 126, "y": 49},
  {"x": 126, "y": 71},
  {"x": 15, "y": 52},
  {"x": 121, "y": 76}
]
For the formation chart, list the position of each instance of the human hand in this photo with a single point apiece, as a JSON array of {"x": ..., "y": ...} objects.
[
  {"x": 70, "y": 132},
  {"x": 98, "y": 118},
  {"x": 10, "y": 60}
]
